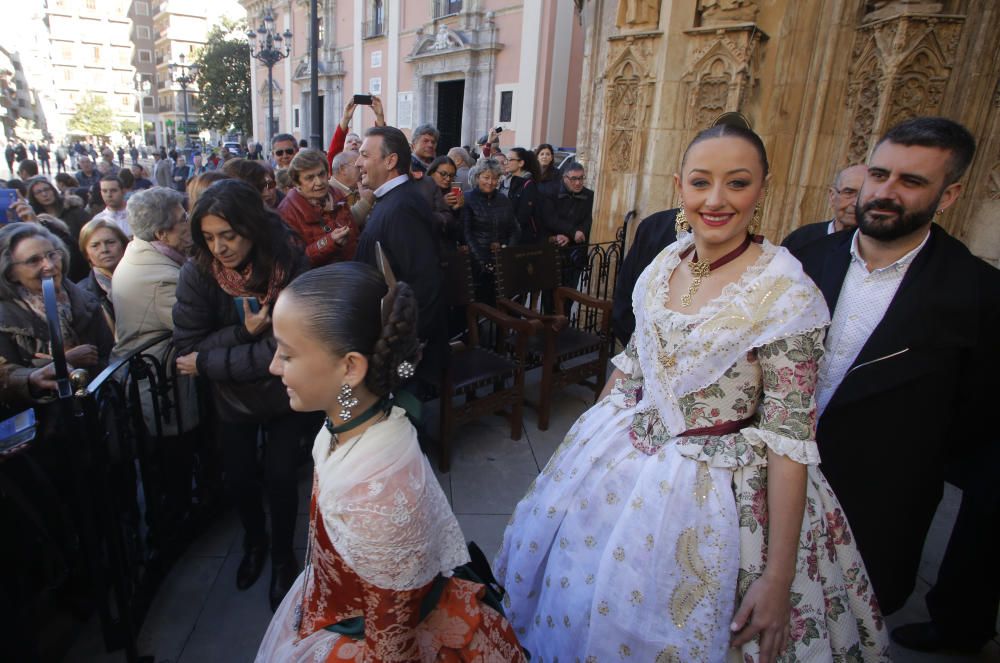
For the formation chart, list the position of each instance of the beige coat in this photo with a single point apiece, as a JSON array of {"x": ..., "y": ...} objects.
[{"x": 143, "y": 292}]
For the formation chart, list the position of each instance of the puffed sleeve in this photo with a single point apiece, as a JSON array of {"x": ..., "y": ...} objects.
[
  {"x": 787, "y": 423},
  {"x": 627, "y": 361}
]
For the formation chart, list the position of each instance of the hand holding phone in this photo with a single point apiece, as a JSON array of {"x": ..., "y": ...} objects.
[{"x": 245, "y": 303}]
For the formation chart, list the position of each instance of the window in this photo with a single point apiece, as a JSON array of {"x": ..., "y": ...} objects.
[
  {"x": 96, "y": 53},
  {"x": 125, "y": 99},
  {"x": 506, "y": 105},
  {"x": 142, "y": 32},
  {"x": 446, "y": 7},
  {"x": 91, "y": 4},
  {"x": 67, "y": 74},
  {"x": 295, "y": 117},
  {"x": 145, "y": 55},
  {"x": 322, "y": 31},
  {"x": 147, "y": 102},
  {"x": 141, "y": 8},
  {"x": 67, "y": 51}
]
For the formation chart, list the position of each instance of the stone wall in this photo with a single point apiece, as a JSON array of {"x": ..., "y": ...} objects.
[{"x": 819, "y": 80}]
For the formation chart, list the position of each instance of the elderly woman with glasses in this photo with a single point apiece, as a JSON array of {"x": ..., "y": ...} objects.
[
  {"x": 28, "y": 254},
  {"x": 317, "y": 212},
  {"x": 447, "y": 201},
  {"x": 489, "y": 224}
]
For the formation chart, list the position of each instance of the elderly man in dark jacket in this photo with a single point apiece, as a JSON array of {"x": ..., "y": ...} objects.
[{"x": 568, "y": 216}]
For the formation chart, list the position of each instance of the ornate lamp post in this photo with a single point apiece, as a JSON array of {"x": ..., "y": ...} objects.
[
  {"x": 142, "y": 88},
  {"x": 184, "y": 79},
  {"x": 269, "y": 52}
]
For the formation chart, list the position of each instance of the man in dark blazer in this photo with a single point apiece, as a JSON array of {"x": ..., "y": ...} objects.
[
  {"x": 843, "y": 196},
  {"x": 909, "y": 377},
  {"x": 655, "y": 233},
  {"x": 401, "y": 221}
]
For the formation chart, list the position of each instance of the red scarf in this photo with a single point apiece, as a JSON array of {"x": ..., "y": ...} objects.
[{"x": 234, "y": 282}]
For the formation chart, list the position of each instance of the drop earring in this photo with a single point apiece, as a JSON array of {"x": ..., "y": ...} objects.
[{"x": 347, "y": 401}]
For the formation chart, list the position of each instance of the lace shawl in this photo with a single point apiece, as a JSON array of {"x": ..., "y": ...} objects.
[
  {"x": 773, "y": 300},
  {"x": 384, "y": 509}
]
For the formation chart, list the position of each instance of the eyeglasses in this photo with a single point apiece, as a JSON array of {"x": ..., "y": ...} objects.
[
  {"x": 36, "y": 261},
  {"x": 284, "y": 153},
  {"x": 515, "y": 159},
  {"x": 574, "y": 179},
  {"x": 444, "y": 174}
]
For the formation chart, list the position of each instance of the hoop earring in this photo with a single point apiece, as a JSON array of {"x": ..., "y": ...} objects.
[
  {"x": 347, "y": 401},
  {"x": 754, "y": 227},
  {"x": 681, "y": 224}
]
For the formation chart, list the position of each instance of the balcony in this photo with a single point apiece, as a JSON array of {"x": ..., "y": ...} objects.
[
  {"x": 372, "y": 29},
  {"x": 444, "y": 8}
]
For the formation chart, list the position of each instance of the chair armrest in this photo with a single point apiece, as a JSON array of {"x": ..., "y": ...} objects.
[
  {"x": 557, "y": 322},
  {"x": 585, "y": 299},
  {"x": 529, "y": 327}
]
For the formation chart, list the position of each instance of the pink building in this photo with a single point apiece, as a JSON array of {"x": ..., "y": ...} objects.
[{"x": 462, "y": 65}]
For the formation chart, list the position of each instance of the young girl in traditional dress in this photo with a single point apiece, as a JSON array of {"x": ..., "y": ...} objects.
[
  {"x": 382, "y": 537},
  {"x": 684, "y": 517}
]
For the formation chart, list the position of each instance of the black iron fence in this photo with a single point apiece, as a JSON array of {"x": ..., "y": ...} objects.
[{"x": 593, "y": 269}]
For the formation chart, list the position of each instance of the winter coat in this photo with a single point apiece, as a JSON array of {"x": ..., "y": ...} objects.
[{"x": 488, "y": 219}]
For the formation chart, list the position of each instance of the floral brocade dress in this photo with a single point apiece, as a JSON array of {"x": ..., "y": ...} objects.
[{"x": 647, "y": 526}]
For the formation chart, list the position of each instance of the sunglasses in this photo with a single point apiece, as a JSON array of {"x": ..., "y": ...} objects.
[{"x": 284, "y": 153}]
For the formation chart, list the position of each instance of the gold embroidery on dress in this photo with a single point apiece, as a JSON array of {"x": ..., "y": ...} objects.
[
  {"x": 697, "y": 582},
  {"x": 669, "y": 655}
]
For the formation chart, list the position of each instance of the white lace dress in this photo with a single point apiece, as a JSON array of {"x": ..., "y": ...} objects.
[{"x": 636, "y": 543}]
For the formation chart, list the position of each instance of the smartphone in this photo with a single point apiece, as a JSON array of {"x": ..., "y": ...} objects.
[
  {"x": 498, "y": 130},
  {"x": 254, "y": 307},
  {"x": 456, "y": 190},
  {"x": 362, "y": 100},
  {"x": 7, "y": 198}
]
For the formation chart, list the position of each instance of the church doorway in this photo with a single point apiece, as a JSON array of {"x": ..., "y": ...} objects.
[{"x": 450, "y": 99}]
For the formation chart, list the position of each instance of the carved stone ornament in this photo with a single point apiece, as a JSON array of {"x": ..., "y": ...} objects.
[
  {"x": 723, "y": 12},
  {"x": 899, "y": 70},
  {"x": 629, "y": 93},
  {"x": 442, "y": 40},
  {"x": 722, "y": 72},
  {"x": 638, "y": 14}
]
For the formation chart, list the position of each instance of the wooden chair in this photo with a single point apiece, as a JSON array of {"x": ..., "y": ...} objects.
[
  {"x": 472, "y": 366},
  {"x": 537, "y": 270}
]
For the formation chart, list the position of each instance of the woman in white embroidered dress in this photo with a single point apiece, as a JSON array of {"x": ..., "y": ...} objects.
[
  {"x": 381, "y": 532},
  {"x": 684, "y": 517}
]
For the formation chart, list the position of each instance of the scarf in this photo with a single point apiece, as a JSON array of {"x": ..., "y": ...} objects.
[
  {"x": 103, "y": 280},
  {"x": 168, "y": 251},
  {"x": 36, "y": 304},
  {"x": 234, "y": 282}
]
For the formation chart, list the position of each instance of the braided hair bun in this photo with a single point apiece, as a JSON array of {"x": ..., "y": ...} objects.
[{"x": 397, "y": 343}]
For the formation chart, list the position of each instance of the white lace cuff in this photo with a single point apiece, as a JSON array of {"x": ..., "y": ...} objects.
[
  {"x": 801, "y": 451},
  {"x": 626, "y": 365}
]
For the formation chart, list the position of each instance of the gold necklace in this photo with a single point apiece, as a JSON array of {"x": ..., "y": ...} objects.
[{"x": 701, "y": 269}]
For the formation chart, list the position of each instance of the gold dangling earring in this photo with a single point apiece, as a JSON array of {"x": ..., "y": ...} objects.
[
  {"x": 754, "y": 227},
  {"x": 681, "y": 224}
]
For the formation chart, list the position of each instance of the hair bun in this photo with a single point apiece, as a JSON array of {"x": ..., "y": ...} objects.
[{"x": 733, "y": 119}]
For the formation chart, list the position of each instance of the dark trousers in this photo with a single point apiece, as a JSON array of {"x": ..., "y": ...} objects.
[
  {"x": 963, "y": 602},
  {"x": 281, "y": 437}
]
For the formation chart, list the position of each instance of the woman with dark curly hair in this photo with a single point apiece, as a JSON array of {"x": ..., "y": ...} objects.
[
  {"x": 382, "y": 535},
  {"x": 242, "y": 258}
]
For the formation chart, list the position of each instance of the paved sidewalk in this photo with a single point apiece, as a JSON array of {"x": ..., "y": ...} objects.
[{"x": 199, "y": 616}]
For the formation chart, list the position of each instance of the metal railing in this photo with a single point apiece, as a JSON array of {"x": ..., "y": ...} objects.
[{"x": 597, "y": 266}]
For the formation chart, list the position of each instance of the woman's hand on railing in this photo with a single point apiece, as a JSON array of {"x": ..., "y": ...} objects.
[
  {"x": 43, "y": 379},
  {"x": 81, "y": 355},
  {"x": 188, "y": 364},
  {"x": 256, "y": 322}
]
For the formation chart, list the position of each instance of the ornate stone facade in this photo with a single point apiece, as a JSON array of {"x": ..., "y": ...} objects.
[{"x": 819, "y": 80}]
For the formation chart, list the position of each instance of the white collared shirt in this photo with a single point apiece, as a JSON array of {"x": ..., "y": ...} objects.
[
  {"x": 119, "y": 218},
  {"x": 390, "y": 185},
  {"x": 864, "y": 298}
]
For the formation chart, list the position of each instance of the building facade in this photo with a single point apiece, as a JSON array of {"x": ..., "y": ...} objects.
[
  {"x": 820, "y": 81},
  {"x": 463, "y": 65},
  {"x": 179, "y": 29}
]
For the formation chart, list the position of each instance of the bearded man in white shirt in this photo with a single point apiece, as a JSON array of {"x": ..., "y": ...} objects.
[{"x": 909, "y": 378}]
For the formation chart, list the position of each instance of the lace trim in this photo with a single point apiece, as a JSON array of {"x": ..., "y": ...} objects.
[{"x": 805, "y": 452}]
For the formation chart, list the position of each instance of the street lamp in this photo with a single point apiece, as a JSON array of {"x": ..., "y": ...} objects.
[
  {"x": 142, "y": 88},
  {"x": 269, "y": 52},
  {"x": 184, "y": 79}
]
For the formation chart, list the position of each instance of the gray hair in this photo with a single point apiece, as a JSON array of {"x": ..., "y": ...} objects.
[
  {"x": 149, "y": 211},
  {"x": 484, "y": 165},
  {"x": 460, "y": 154},
  {"x": 13, "y": 234},
  {"x": 348, "y": 137},
  {"x": 343, "y": 159},
  {"x": 429, "y": 129}
]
